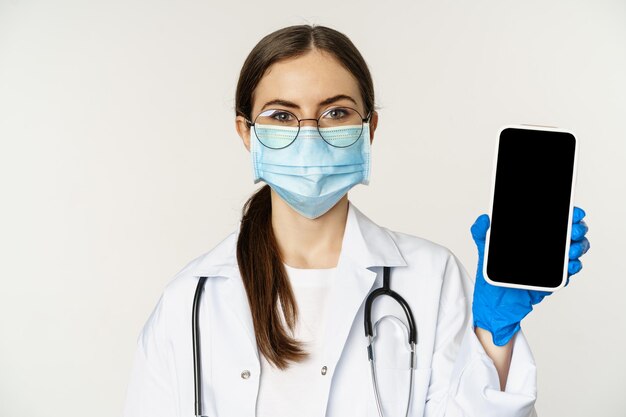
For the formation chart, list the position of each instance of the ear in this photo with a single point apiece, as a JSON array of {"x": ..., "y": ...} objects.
[
  {"x": 243, "y": 130},
  {"x": 373, "y": 124}
]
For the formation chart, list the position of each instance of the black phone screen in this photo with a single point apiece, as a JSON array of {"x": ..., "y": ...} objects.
[{"x": 531, "y": 207}]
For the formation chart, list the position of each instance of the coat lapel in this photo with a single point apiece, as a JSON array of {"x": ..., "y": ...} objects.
[
  {"x": 364, "y": 245},
  {"x": 222, "y": 262},
  {"x": 238, "y": 303}
]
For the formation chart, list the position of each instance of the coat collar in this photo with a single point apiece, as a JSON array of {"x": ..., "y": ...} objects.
[{"x": 365, "y": 245}]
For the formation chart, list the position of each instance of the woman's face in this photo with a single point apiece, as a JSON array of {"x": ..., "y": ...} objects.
[{"x": 306, "y": 86}]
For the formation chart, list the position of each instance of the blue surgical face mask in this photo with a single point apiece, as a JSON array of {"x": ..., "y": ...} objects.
[{"x": 310, "y": 175}]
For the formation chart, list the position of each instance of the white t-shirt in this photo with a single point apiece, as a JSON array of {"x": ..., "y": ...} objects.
[{"x": 295, "y": 390}]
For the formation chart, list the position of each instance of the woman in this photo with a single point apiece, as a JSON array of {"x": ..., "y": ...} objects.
[{"x": 281, "y": 314}]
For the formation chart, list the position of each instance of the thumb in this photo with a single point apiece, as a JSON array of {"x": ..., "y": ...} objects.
[{"x": 479, "y": 229}]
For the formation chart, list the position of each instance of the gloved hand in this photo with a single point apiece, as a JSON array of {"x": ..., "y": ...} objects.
[{"x": 499, "y": 309}]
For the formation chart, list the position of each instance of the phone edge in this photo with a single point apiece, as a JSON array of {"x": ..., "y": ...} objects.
[{"x": 570, "y": 214}]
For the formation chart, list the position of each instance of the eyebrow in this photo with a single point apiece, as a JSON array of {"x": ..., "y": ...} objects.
[{"x": 293, "y": 105}]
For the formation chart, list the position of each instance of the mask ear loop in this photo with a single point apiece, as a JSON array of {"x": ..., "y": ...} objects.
[{"x": 369, "y": 333}]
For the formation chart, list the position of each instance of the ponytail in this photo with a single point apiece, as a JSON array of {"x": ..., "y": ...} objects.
[{"x": 266, "y": 282}]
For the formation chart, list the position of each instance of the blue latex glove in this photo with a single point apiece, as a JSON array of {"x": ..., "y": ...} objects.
[{"x": 499, "y": 309}]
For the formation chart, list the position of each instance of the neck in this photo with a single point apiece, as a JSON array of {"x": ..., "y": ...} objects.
[{"x": 309, "y": 243}]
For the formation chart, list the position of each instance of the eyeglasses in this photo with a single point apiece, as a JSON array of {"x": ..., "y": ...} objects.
[{"x": 338, "y": 126}]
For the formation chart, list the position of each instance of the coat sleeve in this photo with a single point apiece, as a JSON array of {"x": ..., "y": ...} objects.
[
  {"x": 464, "y": 381},
  {"x": 150, "y": 391}
]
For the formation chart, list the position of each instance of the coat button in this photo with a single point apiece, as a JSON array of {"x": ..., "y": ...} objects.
[
  {"x": 324, "y": 369},
  {"x": 245, "y": 374}
]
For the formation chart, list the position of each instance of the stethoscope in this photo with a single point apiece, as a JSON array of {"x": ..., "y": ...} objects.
[{"x": 369, "y": 333}]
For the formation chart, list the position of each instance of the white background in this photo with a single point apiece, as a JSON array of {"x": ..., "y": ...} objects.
[{"x": 119, "y": 163}]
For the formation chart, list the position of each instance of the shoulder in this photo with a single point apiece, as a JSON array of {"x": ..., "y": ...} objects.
[
  {"x": 419, "y": 249},
  {"x": 218, "y": 261},
  {"x": 433, "y": 261}
]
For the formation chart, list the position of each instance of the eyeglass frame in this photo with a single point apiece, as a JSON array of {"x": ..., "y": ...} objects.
[{"x": 367, "y": 119}]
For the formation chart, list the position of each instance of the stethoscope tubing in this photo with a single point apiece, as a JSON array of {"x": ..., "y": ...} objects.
[
  {"x": 369, "y": 333},
  {"x": 386, "y": 290},
  {"x": 197, "y": 371}
]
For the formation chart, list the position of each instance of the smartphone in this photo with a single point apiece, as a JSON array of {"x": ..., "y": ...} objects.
[{"x": 531, "y": 208}]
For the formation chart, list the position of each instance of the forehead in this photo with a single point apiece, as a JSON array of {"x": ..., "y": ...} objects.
[{"x": 306, "y": 80}]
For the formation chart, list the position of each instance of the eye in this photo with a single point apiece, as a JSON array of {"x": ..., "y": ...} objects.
[
  {"x": 279, "y": 115},
  {"x": 338, "y": 113}
]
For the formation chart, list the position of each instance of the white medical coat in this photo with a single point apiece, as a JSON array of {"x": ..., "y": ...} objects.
[{"x": 454, "y": 375}]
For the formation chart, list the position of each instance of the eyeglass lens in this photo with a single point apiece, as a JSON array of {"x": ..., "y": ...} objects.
[{"x": 339, "y": 127}]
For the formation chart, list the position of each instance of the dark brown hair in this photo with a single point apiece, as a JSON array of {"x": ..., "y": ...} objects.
[{"x": 259, "y": 259}]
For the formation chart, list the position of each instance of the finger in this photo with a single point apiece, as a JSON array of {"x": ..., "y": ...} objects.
[
  {"x": 577, "y": 249},
  {"x": 574, "y": 266},
  {"x": 537, "y": 296},
  {"x": 479, "y": 228},
  {"x": 578, "y": 214},
  {"x": 579, "y": 230}
]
